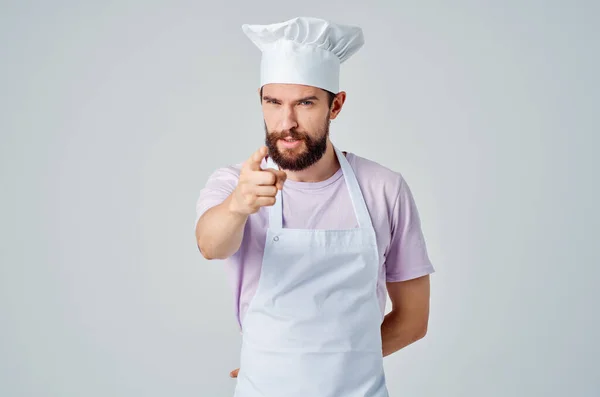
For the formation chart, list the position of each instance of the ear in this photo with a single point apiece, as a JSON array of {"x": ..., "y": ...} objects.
[{"x": 338, "y": 103}]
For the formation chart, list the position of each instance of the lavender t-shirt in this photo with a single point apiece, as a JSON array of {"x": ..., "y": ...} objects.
[{"x": 327, "y": 205}]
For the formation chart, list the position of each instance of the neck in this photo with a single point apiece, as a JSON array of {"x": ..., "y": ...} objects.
[{"x": 319, "y": 171}]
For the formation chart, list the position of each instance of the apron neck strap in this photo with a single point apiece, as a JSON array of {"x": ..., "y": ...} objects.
[{"x": 358, "y": 202}]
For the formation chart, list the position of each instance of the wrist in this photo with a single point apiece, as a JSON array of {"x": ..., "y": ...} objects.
[{"x": 234, "y": 210}]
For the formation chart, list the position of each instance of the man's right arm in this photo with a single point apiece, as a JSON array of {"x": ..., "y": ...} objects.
[{"x": 220, "y": 229}]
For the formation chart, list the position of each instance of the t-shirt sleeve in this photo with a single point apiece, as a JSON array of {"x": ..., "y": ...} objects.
[
  {"x": 218, "y": 187},
  {"x": 407, "y": 256}
]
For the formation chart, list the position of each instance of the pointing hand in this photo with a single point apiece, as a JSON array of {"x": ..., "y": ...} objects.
[{"x": 256, "y": 187}]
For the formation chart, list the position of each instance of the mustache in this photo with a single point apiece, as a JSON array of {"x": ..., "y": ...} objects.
[{"x": 288, "y": 134}]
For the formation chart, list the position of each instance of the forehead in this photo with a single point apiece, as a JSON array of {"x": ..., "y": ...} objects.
[{"x": 291, "y": 91}]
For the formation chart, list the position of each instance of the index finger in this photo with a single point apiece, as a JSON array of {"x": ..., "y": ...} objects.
[{"x": 257, "y": 157}]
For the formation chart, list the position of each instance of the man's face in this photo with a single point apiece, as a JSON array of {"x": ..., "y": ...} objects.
[{"x": 297, "y": 121}]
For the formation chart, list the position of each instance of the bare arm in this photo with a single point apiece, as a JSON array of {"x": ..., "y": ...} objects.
[
  {"x": 220, "y": 230},
  {"x": 407, "y": 321}
]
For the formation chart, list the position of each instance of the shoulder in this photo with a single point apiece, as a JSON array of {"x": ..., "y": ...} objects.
[
  {"x": 227, "y": 171},
  {"x": 372, "y": 175}
]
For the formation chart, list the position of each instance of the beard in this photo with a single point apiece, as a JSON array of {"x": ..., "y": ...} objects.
[{"x": 288, "y": 159}]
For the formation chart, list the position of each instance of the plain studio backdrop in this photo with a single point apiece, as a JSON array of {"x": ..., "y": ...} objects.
[{"x": 114, "y": 113}]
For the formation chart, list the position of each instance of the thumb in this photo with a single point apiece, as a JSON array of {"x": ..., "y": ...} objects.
[
  {"x": 234, "y": 373},
  {"x": 280, "y": 175}
]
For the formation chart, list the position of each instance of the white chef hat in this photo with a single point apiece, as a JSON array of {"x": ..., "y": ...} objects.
[{"x": 304, "y": 50}]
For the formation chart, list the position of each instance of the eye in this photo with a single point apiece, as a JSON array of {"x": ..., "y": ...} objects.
[{"x": 306, "y": 103}]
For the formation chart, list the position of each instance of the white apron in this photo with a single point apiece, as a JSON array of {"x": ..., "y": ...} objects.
[{"x": 313, "y": 327}]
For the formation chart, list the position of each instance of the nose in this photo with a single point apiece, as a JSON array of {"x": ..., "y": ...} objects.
[{"x": 288, "y": 119}]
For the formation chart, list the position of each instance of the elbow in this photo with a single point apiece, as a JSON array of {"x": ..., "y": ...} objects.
[
  {"x": 421, "y": 331},
  {"x": 208, "y": 253},
  {"x": 203, "y": 244},
  {"x": 204, "y": 251}
]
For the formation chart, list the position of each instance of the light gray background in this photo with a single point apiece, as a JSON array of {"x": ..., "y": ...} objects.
[{"x": 114, "y": 113}]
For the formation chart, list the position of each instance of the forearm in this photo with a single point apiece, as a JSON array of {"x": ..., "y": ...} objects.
[
  {"x": 220, "y": 231},
  {"x": 398, "y": 332}
]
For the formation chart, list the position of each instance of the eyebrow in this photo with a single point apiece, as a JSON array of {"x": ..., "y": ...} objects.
[{"x": 308, "y": 98}]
